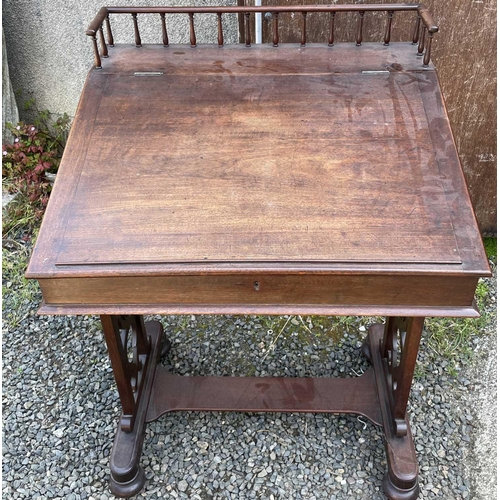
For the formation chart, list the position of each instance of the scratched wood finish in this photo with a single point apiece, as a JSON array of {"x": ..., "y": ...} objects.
[
  {"x": 263, "y": 290},
  {"x": 306, "y": 164},
  {"x": 263, "y": 60},
  {"x": 269, "y": 150},
  {"x": 247, "y": 199},
  {"x": 464, "y": 54},
  {"x": 264, "y": 394}
]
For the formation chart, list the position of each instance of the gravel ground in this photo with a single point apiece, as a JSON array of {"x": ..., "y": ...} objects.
[{"x": 60, "y": 409}]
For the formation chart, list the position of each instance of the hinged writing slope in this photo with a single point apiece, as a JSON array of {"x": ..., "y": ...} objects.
[{"x": 223, "y": 165}]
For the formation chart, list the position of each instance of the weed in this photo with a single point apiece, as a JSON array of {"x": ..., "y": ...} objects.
[
  {"x": 419, "y": 372},
  {"x": 17, "y": 291},
  {"x": 452, "y": 338},
  {"x": 36, "y": 151},
  {"x": 490, "y": 246}
]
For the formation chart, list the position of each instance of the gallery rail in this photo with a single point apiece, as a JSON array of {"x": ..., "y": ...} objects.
[{"x": 422, "y": 33}]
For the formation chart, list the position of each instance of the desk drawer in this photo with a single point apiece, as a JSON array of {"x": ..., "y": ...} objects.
[{"x": 260, "y": 294}]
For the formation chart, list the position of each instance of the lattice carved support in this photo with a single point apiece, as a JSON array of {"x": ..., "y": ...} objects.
[
  {"x": 129, "y": 349},
  {"x": 399, "y": 349},
  {"x": 134, "y": 349},
  {"x": 392, "y": 350}
]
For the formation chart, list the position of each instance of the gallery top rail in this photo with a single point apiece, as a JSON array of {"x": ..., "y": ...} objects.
[
  {"x": 424, "y": 25},
  {"x": 423, "y": 12}
]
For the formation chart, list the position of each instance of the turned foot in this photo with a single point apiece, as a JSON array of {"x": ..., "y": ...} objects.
[
  {"x": 123, "y": 488},
  {"x": 394, "y": 492}
]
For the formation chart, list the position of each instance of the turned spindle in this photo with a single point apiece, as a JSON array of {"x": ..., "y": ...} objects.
[
  {"x": 427, "y": 55},
  {"x": 359, "y": 36},
  {"x": 138, "y": 42},
  {"x": 416, "y": 31},
  {"x": 164, "y": 33},
  {"x": 332, "y": 25},
  {"x": 247, "y": 29},
  {"x": 303, "y": 34},
  {"x": 104, "y": 47},
  {"x": 387, "y": 37},
  {"x": 421, "y": 42},
  {"x": 220, "y": 34},
  {"x": 96, "y": 53},
  {"x": 192, "y": 34},
  {"x": 275, "y": 29},
  {"x": 111, "y": 41}
]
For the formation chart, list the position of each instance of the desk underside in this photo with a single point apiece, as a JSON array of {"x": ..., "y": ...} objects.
[{"x": 259, "y": 162}]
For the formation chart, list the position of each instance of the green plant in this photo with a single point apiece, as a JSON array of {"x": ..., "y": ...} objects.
[
  {"x": 452, "y": 338},
  {"x": 490, "y": 245},
  {"x": 17, "y": 291},
  {"x": 37, "y": 150}
]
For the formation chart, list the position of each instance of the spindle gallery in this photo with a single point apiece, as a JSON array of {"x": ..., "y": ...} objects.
[
  {"x": 427, "y": 31},
  {"x": 279, "y": 179}
]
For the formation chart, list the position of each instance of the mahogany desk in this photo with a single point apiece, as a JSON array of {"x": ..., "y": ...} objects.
[{"x": 264, "y": 180}]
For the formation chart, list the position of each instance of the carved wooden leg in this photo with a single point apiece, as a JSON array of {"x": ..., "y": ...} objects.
[
  {"x": 134, "y": 350},
  {"x": 399, "y": 351},
  {"x": 393, "y": 353}
]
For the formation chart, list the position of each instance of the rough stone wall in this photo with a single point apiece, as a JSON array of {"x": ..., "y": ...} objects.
[{"x": 49, "y": 54}]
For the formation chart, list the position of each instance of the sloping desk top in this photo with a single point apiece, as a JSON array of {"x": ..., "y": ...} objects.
[{"x": 323, "y": 180}]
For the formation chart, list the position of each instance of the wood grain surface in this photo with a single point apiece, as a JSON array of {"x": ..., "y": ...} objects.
[
  {"x": 464, "y": 52},
  {"x": 260, "y": 165},
  {"x": 262, "y": 289},
  {"x": 229, "y": 169}
]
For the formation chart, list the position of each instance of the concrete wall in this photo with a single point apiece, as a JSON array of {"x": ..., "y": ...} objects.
[
  {"x": 9, "y": 105},
  {"x": 49, "y": 54}
]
